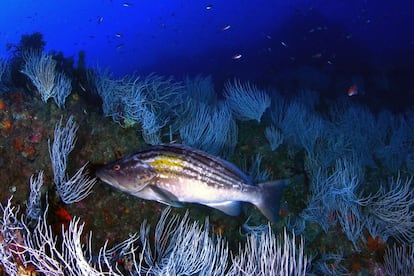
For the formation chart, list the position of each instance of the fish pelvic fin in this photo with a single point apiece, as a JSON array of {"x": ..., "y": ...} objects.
[{"x": 272, "y": 192}]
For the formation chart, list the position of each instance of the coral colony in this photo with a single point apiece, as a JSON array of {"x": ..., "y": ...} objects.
[{"x": 354, "y": 214}]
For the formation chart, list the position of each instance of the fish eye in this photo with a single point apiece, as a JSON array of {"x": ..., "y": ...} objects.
[{"x": 116, "y": 167}]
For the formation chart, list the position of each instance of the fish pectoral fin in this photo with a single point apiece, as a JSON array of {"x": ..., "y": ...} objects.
[
  {"x": 142, "y": 188},
  {"x": 231, "y": 208},
  {"x": 165, "y": 197}
]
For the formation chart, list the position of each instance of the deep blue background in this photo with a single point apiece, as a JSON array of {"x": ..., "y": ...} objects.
[{"x": 186, "y": 37}]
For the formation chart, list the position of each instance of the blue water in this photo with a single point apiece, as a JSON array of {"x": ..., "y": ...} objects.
[{"x": 203, "y": 37}]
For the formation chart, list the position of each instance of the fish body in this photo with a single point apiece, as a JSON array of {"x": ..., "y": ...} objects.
[
  {"x": 236, "y": 56},
  {"x": 174, "y": 174},
  {"x": 353, "y": 90}
]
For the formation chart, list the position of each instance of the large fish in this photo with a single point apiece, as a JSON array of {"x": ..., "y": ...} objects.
[{"x": 173, "y": 173}]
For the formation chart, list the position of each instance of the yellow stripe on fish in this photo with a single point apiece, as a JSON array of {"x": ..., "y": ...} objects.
[{"x": 165, "y": 162}]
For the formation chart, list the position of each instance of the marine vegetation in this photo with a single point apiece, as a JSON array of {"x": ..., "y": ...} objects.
[{"x": 348, "y": 208}]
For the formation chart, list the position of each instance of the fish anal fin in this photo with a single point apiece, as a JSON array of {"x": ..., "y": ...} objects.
[{"x": 231, "y": 208}]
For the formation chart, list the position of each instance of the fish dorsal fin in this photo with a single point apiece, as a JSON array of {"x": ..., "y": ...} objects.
[
  {"x": 165, "y": 197},
  {"x": 231, "y": 208}
]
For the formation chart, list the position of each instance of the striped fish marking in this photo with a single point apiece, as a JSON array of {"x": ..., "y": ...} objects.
[{"x": 174, "y": 174}]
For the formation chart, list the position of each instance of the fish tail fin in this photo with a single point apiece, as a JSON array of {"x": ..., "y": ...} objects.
[{"x": 270, "y": 201}]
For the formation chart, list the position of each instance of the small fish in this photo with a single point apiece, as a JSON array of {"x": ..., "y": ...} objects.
[
  {"x": 118, "y": 35},
  {"x": 209, "y": 7},
  {"x": 119, "y": 46},
  {"x": 100, "y": 19},
  {"x": 174, "y": 174},
  {"x": 126, "y": 4},
  {"x": 82, "y": 87},
  {"x": 236, "y": 56},
  {"x": 317, "y": 55},
  {"x": 353, "y": 90},
  {"x": 283, "y": 44},
  {"x": 225, "y": 28}
]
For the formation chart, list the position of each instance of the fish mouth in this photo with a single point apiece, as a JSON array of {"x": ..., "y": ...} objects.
[
  {"x": 99, "y": 174},
  {"x": 105, "y": 177}
]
